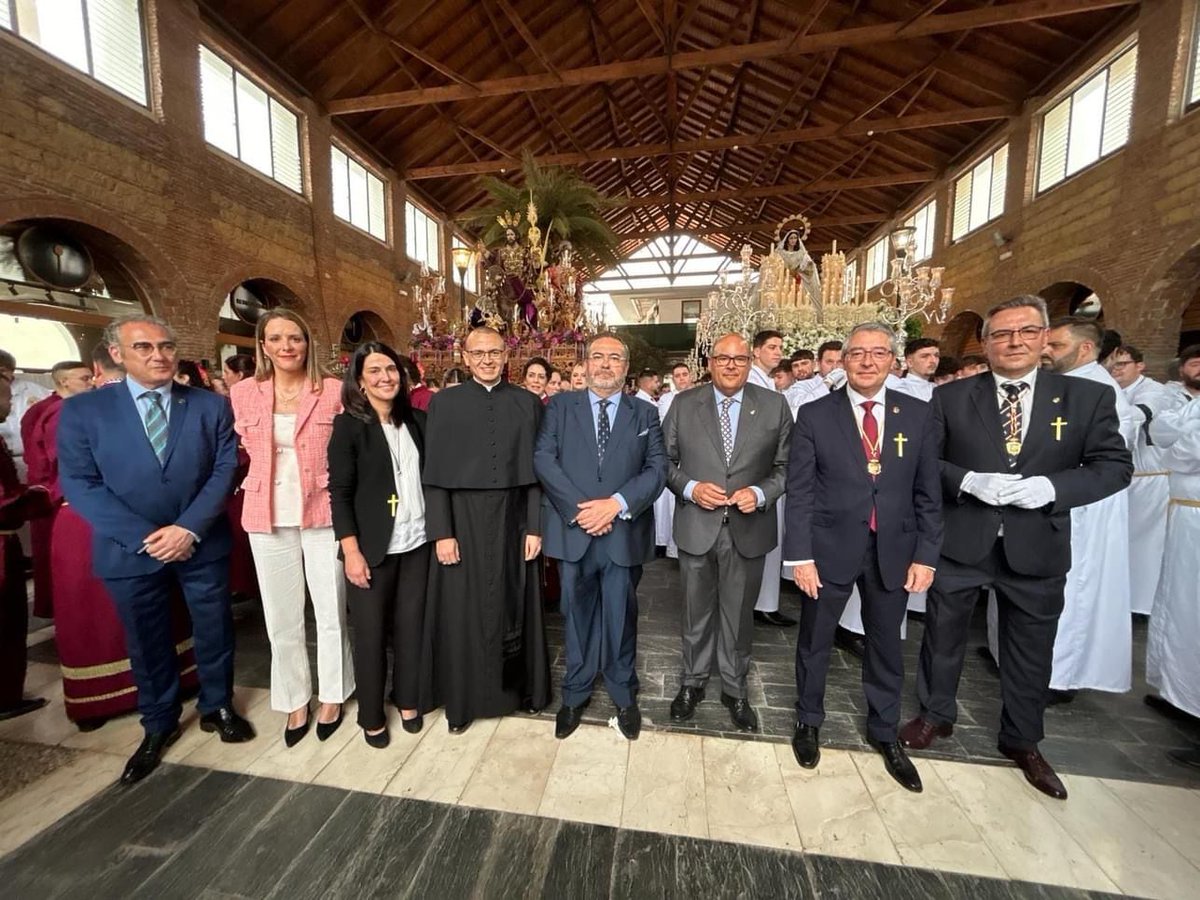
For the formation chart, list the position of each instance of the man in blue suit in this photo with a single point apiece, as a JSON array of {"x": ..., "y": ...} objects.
[
  {"x": 863, "y": 508},
  {"x": 149, "y": 464},
  {"x": 600, "y": 459}
]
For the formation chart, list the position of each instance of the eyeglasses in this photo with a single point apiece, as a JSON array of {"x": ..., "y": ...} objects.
[
  {"x": 724, "y": 360},
  {"x": 145, "y": 348},
  {"x": 480, "y": 355},
  {"x": 1026, "y": 335},
  {"x": 858, "y": 354},
  {"x": 615, "y": 358}
]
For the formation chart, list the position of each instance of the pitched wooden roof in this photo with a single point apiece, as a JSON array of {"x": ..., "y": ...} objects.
[{"x": 718, "y": 117}]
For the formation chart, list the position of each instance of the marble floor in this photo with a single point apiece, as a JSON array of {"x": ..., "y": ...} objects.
[{"x": 506, "y": 810}]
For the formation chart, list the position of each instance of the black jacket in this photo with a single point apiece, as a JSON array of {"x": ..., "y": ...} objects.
[{"x": 361, "y": 481}]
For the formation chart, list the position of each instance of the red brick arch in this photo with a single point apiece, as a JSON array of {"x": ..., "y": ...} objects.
[
  {"x": 961, "y": 331},
  {"x": 377, "y": 321}
]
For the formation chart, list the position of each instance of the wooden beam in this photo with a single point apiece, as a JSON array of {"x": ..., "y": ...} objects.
[
  {"x": 732, "y": 55},
  {"x": 755, "y": 227},
  {"x": 782, "y": 190},
  {"x": 788, "y": 136}
]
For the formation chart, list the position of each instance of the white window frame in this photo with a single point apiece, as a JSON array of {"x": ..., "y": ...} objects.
[
  {"x": 980, "y": 176},
  {"x": 276, "y": 107},
  {"x": 877, "y": 259},
  {"x": 924, "y": 221},
  {"x": 471, "y": 282},
  {"x": 12, "y": 22},
  {"x": 1193, "y": 83},
  {"x": 1116, "y": 117},
  {"x": 416, "y": 217},
  {"x": 376, "y": 199}
]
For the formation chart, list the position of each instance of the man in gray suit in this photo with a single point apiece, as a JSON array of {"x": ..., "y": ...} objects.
[{"x": 727, "y": 448}]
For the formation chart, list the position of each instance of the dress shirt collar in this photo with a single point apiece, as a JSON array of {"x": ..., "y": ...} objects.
[
  {"x": 736, "y": 398},
  {"x": 1029, "y": 378},
  {"x": 136, "y": 390},
  {"x": 594, "y": 399},
  {"x": 857, "y": 399}
]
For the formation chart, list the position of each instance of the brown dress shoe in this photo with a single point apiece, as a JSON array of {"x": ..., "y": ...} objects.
[
  {"x": 918, "y": 733},
  {"x": 1038, "y": 772}
]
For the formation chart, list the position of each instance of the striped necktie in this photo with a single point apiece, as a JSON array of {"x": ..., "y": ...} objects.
[{"x": 155, "y": 421}]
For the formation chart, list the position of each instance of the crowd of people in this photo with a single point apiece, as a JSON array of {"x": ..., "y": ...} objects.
[{"x": 417, "y": 517}]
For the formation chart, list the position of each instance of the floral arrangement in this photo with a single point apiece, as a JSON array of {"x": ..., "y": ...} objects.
[
  {"x": 435, "y": 342},
  {"x": 544, "y": 339}
]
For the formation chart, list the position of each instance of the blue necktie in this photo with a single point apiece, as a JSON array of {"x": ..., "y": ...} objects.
[
  {"x": 156, "y": 423},
  {"x": 603, "y": 428}
]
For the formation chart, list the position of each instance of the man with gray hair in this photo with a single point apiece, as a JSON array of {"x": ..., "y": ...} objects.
[{"x": 1020, "y": 448}]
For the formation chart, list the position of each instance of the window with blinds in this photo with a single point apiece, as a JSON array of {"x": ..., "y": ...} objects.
[
  {"x": 103, "y": 38},
  {"x": 979, "y": 193},
  {"x": 1090, "y": 122},
  {"x": 922, "y": 220},
  {"x": 359, "y": 195},
  {"x": 422, "y": 236},
  {"x": 877, "y": 262},
  {"x": 471, "y": 279},
  {"x": 246, "y": 122}
]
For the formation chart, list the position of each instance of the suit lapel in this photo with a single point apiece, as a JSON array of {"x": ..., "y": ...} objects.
[
  {"x": 747, "y": 423},
  {"x": 584, "y": 421},
  {"x": 127, "y": 409},
  {"x": 848, "y": 425},
  {"x": 179, "y": 414},
  {"x": 1047, "y": 388},
  {"x": 708, "y": 420},
  {"x": 622, "y": 425},
  {"x": 308, "y": 402},
  {"x": 984, "y": 398}
]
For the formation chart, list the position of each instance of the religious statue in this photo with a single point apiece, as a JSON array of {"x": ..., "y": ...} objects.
[{"x": 805, "y": 285}]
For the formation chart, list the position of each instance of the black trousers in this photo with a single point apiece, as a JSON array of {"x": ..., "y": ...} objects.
[
  {"x": 393, "y": 606},
  {"x": 14, "y": 622},
  {"x": 1029, "y": 609},
  {"x": 883, "y": 663}
]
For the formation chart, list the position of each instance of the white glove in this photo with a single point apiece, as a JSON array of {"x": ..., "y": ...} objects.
[
  {"x": 836, "y": 378},
  {"x": 986, "y": 485},
  {"x": 1028, "y": 493}
]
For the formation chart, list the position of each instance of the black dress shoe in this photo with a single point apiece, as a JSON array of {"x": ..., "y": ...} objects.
[
  {"x": 806, "y": 745},
  {"x": 1055, "y": 698},
  {"x": 741, "y": 712},
  {"x": 378, "y": 741},
  {"x": 146, "y": 757},
  {"x": 568, "y": 719},
  {"x": 326, "y": 729},
  {"x": 629, "y": 720},
  {"x": 778, "y": 619},
  {"x": 293, "y": 736},
  {"x": 86, "y": 725},
  {"x": 458, "y": 727},
  {"x": 232, "y": 728},
  {"x": 899, "y": 766},
  {"x": 854, "y": 644},
  {"x": 413, "y": 725},
  {"x": 683, "y": 707},
  {"x": 29, "y": 705}
]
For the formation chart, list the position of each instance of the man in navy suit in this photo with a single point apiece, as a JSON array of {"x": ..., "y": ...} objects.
[
  {"x": 149, "y": 464},
  {"x": 863, "y": 508},
  {"x": 600, "y": 459}
]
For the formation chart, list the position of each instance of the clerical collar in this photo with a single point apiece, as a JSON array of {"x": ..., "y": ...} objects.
[{"x": 487, "y": 387}]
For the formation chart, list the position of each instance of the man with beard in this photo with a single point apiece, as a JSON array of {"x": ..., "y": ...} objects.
[
  {"x": 485, "y": 640},
  {"x": 802, "y": 364},
  {"x": 599, "y": 457}
]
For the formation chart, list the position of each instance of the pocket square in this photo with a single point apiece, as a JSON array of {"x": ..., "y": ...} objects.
[{"x": 643, "y": 433}]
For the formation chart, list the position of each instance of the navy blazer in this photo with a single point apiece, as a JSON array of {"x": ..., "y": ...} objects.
[
  {"x": 111, "y": 476},
  {"x": 830, "y": 494},
  {"x": 566, "y": 461}
]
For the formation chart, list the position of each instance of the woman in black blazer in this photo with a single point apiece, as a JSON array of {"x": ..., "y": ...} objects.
[{"x": 375, "y": 458}]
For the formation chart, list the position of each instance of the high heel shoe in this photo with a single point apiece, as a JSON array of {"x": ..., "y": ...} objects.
[
  {"x": 292, "y": 736},
  {"x": 413, "y": 725},
  {"x": 325, "y": 729},
  {"x": 378, "y": 741}
]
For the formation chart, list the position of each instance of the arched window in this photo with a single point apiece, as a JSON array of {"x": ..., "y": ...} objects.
[{"x": 36, "y": 343}]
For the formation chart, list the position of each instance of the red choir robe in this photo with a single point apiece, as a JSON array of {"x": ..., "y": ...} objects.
[
  {"x": 41, "y": 468},
  {"x": 18, "y": 505},
  {"x": 97, "y": 681}
]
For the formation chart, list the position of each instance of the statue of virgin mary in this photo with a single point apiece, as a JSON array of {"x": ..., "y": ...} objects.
[{"x": 805, "y": 288}]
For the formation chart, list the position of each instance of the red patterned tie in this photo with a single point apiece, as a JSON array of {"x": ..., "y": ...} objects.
[{"x": 870, "y": 429}]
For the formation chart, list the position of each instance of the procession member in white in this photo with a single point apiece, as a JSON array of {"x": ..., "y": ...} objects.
[
  {"x": 648, "y": 384},
  {"x": 921, "y": 359},
  {"x": 1172, "y": 660},
  {"x": 767, "y": 350},
  {"x": 664, "y": 506},
  {"x": 1149, "y": 492},
  {"x": 1094, "y": 646}
]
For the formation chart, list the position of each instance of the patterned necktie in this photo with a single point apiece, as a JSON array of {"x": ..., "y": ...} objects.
[
  {"x": 726, "y": 429},
  {"x": 156, "y": 423},
  {"x": 870, "y": 441},
  {"x": 1010, "y": 415},
  {"x": 603, "y": 429}
]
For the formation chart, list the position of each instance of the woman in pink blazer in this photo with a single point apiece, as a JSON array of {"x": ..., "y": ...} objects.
[{"x": 284, "y": 415}]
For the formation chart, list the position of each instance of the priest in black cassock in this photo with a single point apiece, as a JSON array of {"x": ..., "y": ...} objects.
[{"x": 485, "y": 647}]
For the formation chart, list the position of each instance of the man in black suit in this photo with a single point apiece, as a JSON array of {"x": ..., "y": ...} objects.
[
  {"x": 1020, "y": 449},
  {"x": 863, "y": 508}
]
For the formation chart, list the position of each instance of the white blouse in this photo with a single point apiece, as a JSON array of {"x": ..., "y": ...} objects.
[
  {"x": 408, "y": 531},
  {"x": 287, "y": 504}
]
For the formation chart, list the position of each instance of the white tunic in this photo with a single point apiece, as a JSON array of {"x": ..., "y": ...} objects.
[
  {"x": 1148, "y": 495},
  {"x": 1173, "y": 650},
  {"x": 664, "y": 506},
  {"x": 1094, "y": 646},
  {"x": 25, "y": 393},
  {"x": 911, "y": 385}
]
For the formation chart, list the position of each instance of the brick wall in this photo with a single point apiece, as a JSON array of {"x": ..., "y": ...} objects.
[{"x": 189, "y": 223}]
